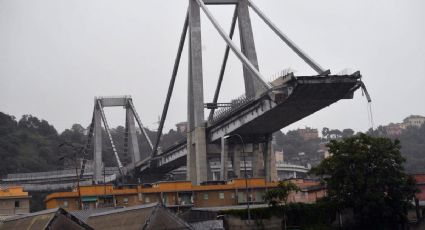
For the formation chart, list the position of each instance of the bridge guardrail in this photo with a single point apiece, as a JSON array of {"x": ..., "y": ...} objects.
[{"x": 235, "y": 104}]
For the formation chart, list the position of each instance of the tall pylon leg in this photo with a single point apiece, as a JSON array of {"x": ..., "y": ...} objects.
[
  {"x": 133, "y": 145},
  {"x": 253, "y": 86},
  {"x": 98, "y": 163},
  {"x": 197, "y": 150}
]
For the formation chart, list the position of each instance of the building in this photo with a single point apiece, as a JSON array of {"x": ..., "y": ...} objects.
[
  {"x": 178, "y": 194},
  {"x": 420, "y": 183},
  {"x": 182, "y": 127},
  {"x": 414, "y": 121},
  {"x": 308, "y": 133},
  {"x": 13, "y": 201},
  {"x": 279, "y": 156},
  {"x": 394, "y": 129}
]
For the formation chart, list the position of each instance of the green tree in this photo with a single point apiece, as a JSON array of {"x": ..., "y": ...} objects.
[
  {"x": 366, "y": 174},
  {"x": 278, "y": 197},
  {"x": 325, "y": 132}
]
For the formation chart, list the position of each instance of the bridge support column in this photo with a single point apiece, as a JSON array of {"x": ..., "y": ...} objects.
[
  {"x": 236, "y": 161},
  {"x": 98, "y": 163},
  {"x": 253, "y": 86},
  {"x": 197, "y": 168},
  {"x": 269, "y": 162},
  {"x": 257, "y": 161},
  {"x": 223, "y": 161},
  {"x": 197, "y": 149},
  {"x": 133, "y": 145}
]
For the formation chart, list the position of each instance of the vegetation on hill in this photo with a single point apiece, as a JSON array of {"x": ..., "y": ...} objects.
[
  {"x": 32, "y": 145},
  {"x": 297, "y": 150},
  {"x": 27, "y": 145},
  {"x": 412, "y": 141}
]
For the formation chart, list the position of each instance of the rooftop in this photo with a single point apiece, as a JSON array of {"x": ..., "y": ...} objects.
[{"x": 7, "y": 191}]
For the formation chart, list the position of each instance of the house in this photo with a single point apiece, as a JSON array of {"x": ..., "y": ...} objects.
[
  {"x": 308, "y": 133},
  {"x": 394, "y": 129},
  {"x": 182, "y": 127},
  {"x": 13, "y": 201},
  {"x": 414, "y": 121}
]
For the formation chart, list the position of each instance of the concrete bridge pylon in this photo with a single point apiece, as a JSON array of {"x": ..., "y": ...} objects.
[{"x": 131, "y": 146}]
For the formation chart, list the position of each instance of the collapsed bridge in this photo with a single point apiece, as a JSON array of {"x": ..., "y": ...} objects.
[{"x": 238, "y": 129}]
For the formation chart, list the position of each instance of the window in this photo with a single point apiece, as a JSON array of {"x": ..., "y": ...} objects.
[
  {"x": 86, "y": 205},
  {"x": 221, "y": 195},
  {"x": 65, "y": 204},
  {"x": 205, "y": 196},
  {"x": 125, "y": 200},
  {"x": 17, "y": 204},
  {"x": 147, "y": 200},
  {"x": 233, "y": 195}
]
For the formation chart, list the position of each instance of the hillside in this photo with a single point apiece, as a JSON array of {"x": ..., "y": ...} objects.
[{"x": 32, "y": 145}]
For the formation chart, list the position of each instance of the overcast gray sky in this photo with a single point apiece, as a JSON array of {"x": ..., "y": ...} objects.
[{"x": 57, "y": 55}]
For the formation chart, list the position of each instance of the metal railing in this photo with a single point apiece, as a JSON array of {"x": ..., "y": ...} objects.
[{"x": 235, "y": 104}]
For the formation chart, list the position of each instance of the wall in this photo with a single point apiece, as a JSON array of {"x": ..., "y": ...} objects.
[
  {"x": 7, "y": 206},
  {"x": 229, "y": 198}
]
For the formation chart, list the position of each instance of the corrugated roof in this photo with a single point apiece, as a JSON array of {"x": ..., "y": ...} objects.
[
  {"x": 55, "y": 218},
  {"x": 150, "y": 216},
  {"x": 85, "y": 214},
  {"x": 43, "y": 212},
  {"x": 124, "y": 209}
]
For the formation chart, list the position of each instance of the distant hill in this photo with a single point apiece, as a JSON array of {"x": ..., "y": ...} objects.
[
  {"x": 298, "y": 150},
  {"x": 32, "y": 145}
]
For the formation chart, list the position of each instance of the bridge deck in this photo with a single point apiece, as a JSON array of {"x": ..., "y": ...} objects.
[
  {"x": 310, "y": 94},
  {"x": 281, "y": 106}
]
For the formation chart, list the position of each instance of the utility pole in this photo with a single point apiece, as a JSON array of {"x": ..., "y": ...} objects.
[
  {"x": 245, "y": 173},
  {"x": 74, "y": 148}
]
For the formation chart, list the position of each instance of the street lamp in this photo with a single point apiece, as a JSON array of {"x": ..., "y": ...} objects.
[
  {"x": 245, "y": 174},
  {"x": 76, "y": 151}
]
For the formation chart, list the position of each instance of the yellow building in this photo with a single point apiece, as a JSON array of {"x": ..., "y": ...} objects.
[
  {"x": 178, "y": 194},
  {"x": 13, "y": 200}
]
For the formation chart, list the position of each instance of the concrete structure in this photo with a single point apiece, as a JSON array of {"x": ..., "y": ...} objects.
[
  {"x": 255, "y": 120},
  {"x": 58, "y": 179},
  {"x": 179, "y": 194},
  {"x": 251, "y": 115},
  {"x": 284, "y": 171},
  {"x": 13, "y": 201},
  {"x": 131, "y": 144}
]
